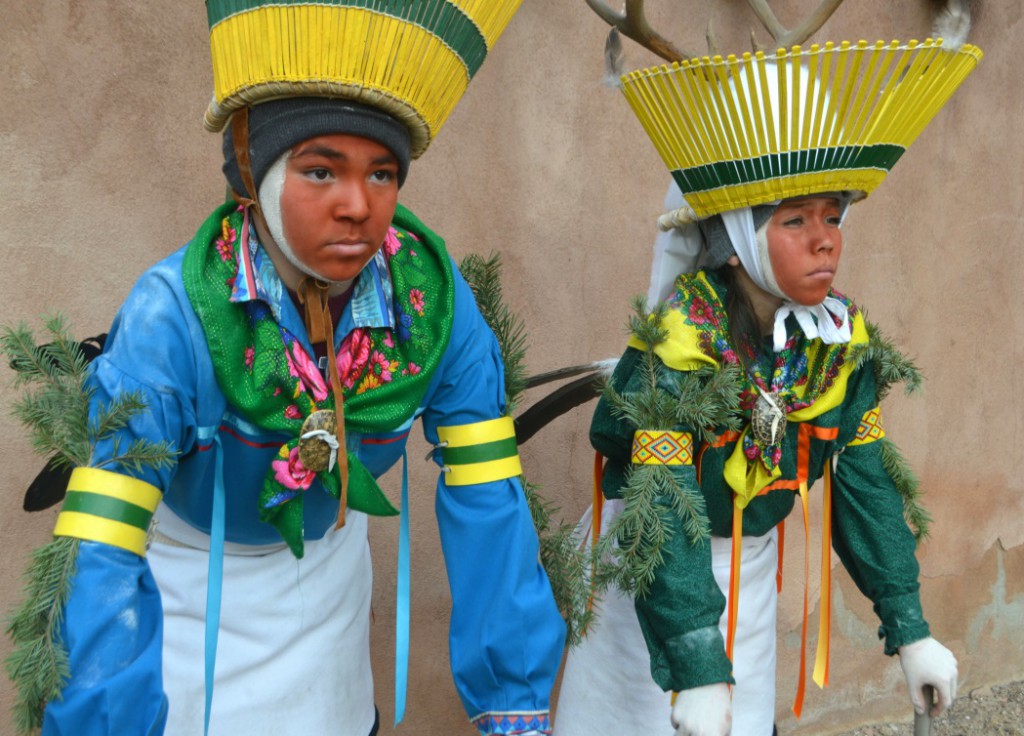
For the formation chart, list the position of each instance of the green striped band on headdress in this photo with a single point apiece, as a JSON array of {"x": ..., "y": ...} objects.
[
  {"x": 439, "y": 17},
  {"x": 738, "y": 132},
  {"x": 411, "y": 59}
]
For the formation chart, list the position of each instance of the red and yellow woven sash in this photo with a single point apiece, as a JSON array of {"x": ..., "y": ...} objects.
[{"x": 656, "y": 447}]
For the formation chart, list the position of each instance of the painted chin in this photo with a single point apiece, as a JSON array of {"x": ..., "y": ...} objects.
[
  {"x": 811, "y": 289},
  {"x": 344, "y": 261}
]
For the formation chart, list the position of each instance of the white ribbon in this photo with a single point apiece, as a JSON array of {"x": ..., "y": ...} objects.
[{"x": 815, "y": 321}]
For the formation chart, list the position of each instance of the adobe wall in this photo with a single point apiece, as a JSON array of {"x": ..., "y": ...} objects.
[{"x": 106, "y": 168}]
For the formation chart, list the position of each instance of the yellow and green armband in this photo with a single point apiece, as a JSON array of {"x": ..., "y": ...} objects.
[
  {"x": 481, "y": 452},
  {"x": 870, "y": 429},
  {"x": 107, "y": 507},
  {"x": 656, "y": 447}
]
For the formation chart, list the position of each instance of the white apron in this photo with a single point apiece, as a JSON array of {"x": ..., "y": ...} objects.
[
  {"x": 607, "y": 688},
  {"x": 293, "y": 655}
]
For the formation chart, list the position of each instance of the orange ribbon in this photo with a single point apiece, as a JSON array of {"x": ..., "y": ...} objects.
[{"x": 821, "y": 665}]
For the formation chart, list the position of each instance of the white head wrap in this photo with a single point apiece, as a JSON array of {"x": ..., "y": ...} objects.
[{"x": 679, "y": 249}]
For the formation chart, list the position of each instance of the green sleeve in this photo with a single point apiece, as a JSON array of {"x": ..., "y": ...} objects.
[
  {"x": 870, "y": 535},
  {"x": 679, "y": 616}
]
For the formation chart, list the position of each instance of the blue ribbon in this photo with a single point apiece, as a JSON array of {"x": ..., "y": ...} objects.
[
  {"x": 215, "y": 577},
  {"x": 402, "y": 605}
]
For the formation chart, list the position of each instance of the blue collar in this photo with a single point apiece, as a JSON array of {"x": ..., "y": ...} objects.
[{"x": 372, "y": 298}]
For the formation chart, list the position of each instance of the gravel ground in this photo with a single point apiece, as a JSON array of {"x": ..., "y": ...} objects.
[{"x": 986, "y": 711}]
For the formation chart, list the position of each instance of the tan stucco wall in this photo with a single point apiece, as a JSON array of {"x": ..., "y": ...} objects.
[{"x": 105, "y": 169}]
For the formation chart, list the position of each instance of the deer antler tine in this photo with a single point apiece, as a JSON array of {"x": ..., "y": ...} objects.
[
  {"x": 642, "y": 33},
  {"x": 811, "y": 24},
  {"x": 767, "y": 18},
  {"x": 709, "y": 34},
  {"x": 608, "y": 15},
  {"x": 632, "y": 24},
  {"x": 754, "y": 45}
]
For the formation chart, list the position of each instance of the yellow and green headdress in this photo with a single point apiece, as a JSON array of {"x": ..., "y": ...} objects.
[
  {"x": 413, "y": 59},
  {"x": 742, "y": 131}
]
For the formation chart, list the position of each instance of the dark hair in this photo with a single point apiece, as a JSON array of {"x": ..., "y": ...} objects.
[{"x": 744, "y": 328}]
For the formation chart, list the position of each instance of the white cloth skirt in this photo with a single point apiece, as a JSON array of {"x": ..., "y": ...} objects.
[
  {"x": 293, "y": 655},
  {"x": 607, "y": 689}
]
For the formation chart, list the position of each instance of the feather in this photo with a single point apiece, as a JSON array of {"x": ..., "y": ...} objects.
[
  {"x": 604, "y": 367},
  {"x": 557, "y": 403},
  {"x": 48, "y": 488},
  {"x": 953, "y": 23},
  {"x": 613, "y": 60}
]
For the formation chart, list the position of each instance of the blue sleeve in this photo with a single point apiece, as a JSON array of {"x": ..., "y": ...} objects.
[
  {"x": 113, "y": 620},
  {"x": 506, "y": 634},
  {"x": 113, "y": 633}
]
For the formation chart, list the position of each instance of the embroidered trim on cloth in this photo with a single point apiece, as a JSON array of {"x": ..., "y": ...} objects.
[
  {"x": 870, "y": 429},
  {"x": 508, "y": 724},
  {"x": 654, "y": 447},
  {"x": 480, "y": 452},
  {"x": 107, "y": 507}
]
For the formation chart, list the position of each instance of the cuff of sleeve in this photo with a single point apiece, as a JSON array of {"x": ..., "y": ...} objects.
[
  {"x": 517, "y": 723},
  {"x": 692, "y": 659},
  {"x": 902, "y": 621}
]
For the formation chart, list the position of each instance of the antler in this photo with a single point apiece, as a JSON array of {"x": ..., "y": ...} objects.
[
  {"x": 632, "y": 24},
  {"x": 788, "y": 37}
]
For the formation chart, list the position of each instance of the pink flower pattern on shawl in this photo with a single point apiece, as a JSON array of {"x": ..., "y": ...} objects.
[
  {"x": 353, "y": 356},
  {"x": 391, "y": 243},
  {"x": 290, "y": 473},
  {"x": 302, "y": 367}
]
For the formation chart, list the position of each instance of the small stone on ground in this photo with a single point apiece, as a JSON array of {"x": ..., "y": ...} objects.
[{"x": 986, "y": 711}]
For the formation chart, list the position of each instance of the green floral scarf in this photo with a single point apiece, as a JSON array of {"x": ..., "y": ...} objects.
[{"x": 271, "y": 380}]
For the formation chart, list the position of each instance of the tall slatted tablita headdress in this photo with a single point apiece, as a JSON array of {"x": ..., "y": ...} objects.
[
  {"x": 412, "y": 59},
  {"x": 758, "y": 128}
]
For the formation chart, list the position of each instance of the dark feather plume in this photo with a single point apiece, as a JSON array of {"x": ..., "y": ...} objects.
[{"x": 555, "y": 404}]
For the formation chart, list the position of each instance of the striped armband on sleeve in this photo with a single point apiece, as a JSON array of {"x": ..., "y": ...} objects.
[
  {"x": 481, "y": 452},
  {"x": 870, "y": 429},
  {"x": 655, "y": 447},
  {"x": 107, "y": 507}
]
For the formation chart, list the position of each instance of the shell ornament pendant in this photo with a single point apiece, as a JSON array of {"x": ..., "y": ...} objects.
[
  {"x": 318, "y": 445},
  {"x": 768, "y": 419}
]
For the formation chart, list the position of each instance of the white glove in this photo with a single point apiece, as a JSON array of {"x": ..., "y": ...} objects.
[
  {"x": 703, "y": 711},
  {"x": 926, "y": 662}
]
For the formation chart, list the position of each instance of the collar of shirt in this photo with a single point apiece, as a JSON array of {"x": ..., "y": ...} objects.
[{"x": 372, "y": 298}]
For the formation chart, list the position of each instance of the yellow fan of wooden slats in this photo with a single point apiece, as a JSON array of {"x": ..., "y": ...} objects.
[
  {"x": 413, "y": 60},
  {"x": 741, "y": 131}
]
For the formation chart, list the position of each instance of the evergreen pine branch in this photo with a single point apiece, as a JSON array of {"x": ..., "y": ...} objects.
[
  {"x": 706, "y": 401},
  {"x": 141, "y": 454},
  {"x": 889, "y": 363},
  {"x": 909, "y": 488},
  {"x": 567, "y": 563},
  {"x": 636, "y": 538},
  {"x": 115, "y": 415},
  {"x": 484, "y": 278},
  {"x": 564, "y": 560},
  {"x": 54, "y": 407},
  {"x": 38, "y": 664}
]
